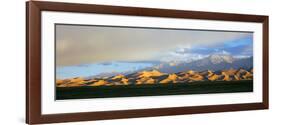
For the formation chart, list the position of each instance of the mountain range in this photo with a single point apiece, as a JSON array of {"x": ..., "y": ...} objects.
[
  {"x": 216, "y": 67},
  {"x": 214, "y": 62},
  {"x": 157, "y": 77}
]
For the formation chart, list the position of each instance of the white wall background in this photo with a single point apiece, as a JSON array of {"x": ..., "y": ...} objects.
[{"x": 12, "y": 63}]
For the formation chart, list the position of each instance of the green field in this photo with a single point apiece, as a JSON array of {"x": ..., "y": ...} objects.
[{"x": 204, "y": 87}]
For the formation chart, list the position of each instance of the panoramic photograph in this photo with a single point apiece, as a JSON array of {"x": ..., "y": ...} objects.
[{"x": 115, "y": 61}]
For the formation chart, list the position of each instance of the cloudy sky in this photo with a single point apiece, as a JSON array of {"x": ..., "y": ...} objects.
[
  {"x": 76, "y": 45},
  {"x": 94, "y": 50}
]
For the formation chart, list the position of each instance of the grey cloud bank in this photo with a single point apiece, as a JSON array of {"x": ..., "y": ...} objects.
[{"x": 93, "y": 44}]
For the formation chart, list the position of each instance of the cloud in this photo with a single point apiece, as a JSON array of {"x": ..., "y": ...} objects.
[
  {"x": 223, "y": 52},
  {"x": 242, "y": 47},
  {"x": 181, "y": 57},
  {"x": 93, "y": 44}
]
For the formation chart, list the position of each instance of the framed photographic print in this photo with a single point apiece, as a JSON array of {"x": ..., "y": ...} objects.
[{"x": 94, "y": 62}]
